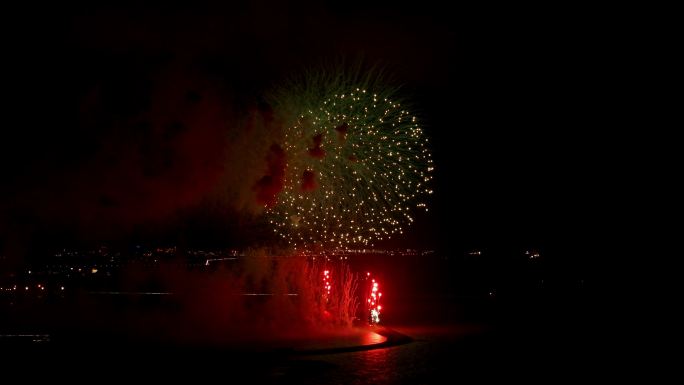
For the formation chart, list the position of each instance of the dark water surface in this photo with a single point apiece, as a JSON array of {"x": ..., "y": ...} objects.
[{"x": 465, "y": 322}]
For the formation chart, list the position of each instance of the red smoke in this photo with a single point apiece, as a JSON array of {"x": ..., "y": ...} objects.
[
  {"x": 309, "y": 181},
  {"x": 268, "y": 187},
  {"x": 157, "y": 145},
  {"x": 316, "y": 151},
  {"x": 342, "y": 131},
  {"x": 167, "y": 157}
]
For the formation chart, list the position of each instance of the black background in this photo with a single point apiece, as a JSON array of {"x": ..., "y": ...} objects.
[{"x": 517, "y": 102}]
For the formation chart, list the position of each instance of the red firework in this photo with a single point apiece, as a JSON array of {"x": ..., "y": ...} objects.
[{"x": 373, "y": 297}]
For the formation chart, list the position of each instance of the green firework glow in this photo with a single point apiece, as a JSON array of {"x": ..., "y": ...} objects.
[{"x": 357, "y": 162}]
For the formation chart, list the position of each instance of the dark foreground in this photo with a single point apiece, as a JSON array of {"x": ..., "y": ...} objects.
[
  {"x": 549, "y": 342},
  {"x": 439, "y": 330}
]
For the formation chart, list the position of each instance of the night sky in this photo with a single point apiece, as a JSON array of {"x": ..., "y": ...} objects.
[{"x": 120, "y": 118}]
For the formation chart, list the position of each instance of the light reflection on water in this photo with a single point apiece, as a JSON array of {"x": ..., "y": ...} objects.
[
  {"x": 372, "y": 338},
  {"x": 428, "y": 359},
  {"x": 373, "y": 365},
  {"x": 380, "y": 366}
]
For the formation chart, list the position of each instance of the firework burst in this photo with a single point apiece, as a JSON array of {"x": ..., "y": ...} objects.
[{"x": 357, "y": 161}]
